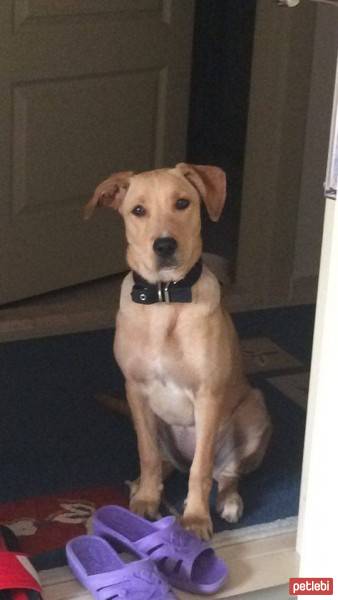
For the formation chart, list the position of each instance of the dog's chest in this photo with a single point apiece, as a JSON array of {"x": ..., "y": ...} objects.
[
  {"x": 152, "y": 351},
  {"x": 169, "y": 399}
]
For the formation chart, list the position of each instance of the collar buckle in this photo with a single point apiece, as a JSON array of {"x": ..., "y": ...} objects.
[{"x": 163, "y": 292}]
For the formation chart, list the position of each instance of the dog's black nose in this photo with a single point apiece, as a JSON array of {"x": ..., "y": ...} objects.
[{"x": 165, "y": 246}]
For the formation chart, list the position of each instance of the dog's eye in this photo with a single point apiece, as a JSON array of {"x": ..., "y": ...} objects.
[
  {"x": 182, "y": 203},
  {"x": 139, "y": 210}
]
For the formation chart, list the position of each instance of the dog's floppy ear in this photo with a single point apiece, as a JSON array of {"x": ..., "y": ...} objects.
[
  {"x": 210, "y": 183},
  {"x": 110, "y": 192}
]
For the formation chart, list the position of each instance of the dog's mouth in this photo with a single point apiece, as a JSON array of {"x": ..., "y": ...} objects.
[
  {"x": 169, "y": 262},
  {"x": 165, "y": 249}
]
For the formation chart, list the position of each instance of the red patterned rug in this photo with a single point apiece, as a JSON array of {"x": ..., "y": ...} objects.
[{"x": 48, "y": 522}]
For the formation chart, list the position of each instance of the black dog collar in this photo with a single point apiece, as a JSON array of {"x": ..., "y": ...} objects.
[{"x": 144, "y": 292}]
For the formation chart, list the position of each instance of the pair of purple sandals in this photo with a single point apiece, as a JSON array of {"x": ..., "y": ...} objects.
[{"x": 167, "y": 555}]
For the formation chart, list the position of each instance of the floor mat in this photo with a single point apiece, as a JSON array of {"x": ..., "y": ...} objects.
[
  {"x": 45, "y": 523},
  {"x": 59, "y": 448}
]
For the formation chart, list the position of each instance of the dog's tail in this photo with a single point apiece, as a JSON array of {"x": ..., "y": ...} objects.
[{"x": 115, "y": 405}]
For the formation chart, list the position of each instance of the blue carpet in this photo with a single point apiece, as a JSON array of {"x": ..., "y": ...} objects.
[{"x": 55, "y": 437}]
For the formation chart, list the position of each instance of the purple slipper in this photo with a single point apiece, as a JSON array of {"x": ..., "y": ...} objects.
[
  {"x": 187, "y": 562},
  {"x": 97, "y": 566}
]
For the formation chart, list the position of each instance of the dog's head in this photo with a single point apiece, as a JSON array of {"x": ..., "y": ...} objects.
[{"x": 161, "y": 211}]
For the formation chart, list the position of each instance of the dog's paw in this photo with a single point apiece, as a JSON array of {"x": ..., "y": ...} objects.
[
  {"x": 133, "y": 486},
  {"x": 199, "y": 525},
  {"x": 231, "y": 508},
  {"x": 145, "y": 507}
]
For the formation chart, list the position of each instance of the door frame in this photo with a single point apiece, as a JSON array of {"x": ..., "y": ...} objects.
[
  {"x": 317, "y": 528},
  {"x": 268, "y": 236},
  {"x": 280, "y": 150}
]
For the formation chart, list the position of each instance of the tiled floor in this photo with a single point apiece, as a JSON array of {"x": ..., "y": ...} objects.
[
  {"x": 295, "y": 386},
  {"x": 84, "y": 307},
  {"x": 263, "y": 355}
]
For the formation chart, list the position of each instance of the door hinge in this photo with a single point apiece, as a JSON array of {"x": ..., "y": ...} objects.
[{"x": 288, "y": 3}]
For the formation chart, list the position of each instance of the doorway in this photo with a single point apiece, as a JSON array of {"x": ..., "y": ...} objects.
[{"x": 219, "y": 103}]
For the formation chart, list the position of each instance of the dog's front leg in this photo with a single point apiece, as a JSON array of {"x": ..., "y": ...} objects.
[
  {"x": 146, "y": 498},
  {"x": 196, "y": 515}
]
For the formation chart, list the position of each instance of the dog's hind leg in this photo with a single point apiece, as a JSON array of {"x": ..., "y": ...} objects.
[
  {"x": 247, "y": 440},
  {"x": 229, "y": 502}
]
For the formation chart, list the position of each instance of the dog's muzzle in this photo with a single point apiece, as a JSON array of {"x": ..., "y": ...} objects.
[{"x": 165, "y": 247}]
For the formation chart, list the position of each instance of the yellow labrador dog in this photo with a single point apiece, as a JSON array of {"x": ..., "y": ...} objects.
[{"x": 190, "y": 401}]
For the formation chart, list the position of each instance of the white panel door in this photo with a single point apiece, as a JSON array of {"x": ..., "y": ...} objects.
[{"x": 88, "y": 87}]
